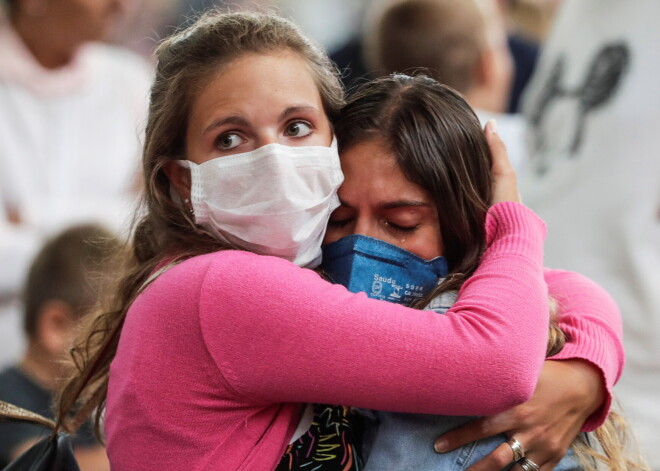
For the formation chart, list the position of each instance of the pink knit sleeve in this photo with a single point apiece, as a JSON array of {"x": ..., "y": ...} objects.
[
  {"x": 592, "y": 322},
  {"x": 279, "y": 333}
]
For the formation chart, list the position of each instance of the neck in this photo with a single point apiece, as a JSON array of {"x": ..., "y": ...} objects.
[
  {"x": 49, "y": 48},
  {"x": 41, "y": 367}
]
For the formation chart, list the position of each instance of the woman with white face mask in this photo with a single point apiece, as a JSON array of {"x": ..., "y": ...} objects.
[{"x": 213, "y": 346}]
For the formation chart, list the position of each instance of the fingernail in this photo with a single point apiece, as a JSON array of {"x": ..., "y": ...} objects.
[
  {"x": 492, "y": 125},
  {"x": 440, "y": 446}
]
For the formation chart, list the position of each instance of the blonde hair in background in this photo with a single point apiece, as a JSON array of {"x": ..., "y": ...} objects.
[
  {"x": 531, "y": 18},
  {"x": 611, "y": 446}
]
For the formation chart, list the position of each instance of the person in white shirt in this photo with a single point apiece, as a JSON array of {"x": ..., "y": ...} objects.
[
  {"x": 70, "y": 115},
  {"x": 594, "y": 175}
]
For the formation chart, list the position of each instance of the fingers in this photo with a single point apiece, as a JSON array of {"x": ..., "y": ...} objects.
[
  {"x": 505, "y": 185},
  {"x": 499, "y": 458},
  {"x": 468, "y": 433},
  {"x": 503, "y": 456},
  {"x": 548, "y": 466},
  {"x": 497, "y": 148}
]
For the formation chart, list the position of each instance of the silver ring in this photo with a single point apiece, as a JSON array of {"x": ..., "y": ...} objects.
[
  {"x": 517, "y": 449},
  {"x": 528, "y": 465}
]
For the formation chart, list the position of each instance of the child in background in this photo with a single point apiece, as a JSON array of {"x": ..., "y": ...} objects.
[{"x": 63, "y": 285}]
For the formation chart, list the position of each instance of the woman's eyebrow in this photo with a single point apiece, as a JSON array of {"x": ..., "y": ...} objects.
[
  {"x": 235, "y": 120},
  {"x": 297, "y": 109},
  {"x": 394, "y": 204},
  {"x": 403, "y": 203}
]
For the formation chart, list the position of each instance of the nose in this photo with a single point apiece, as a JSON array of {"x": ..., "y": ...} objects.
[
  {"x": 366, "y": 226},
  {"x": 267, "y": 137}
]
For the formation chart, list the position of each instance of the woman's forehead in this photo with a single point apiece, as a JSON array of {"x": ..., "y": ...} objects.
[
  {"x": 259, "y": 84},
  {"x": 372, "y": 171}
]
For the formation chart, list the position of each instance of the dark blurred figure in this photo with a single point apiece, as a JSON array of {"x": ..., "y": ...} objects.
[
  {"x": 349, "y": 58},
  {"x": 593, "y": 109},
  {"x": 525, "y": 53},
  {"x": 71, "y": 109},
  {"x": 63, "y": 285}
]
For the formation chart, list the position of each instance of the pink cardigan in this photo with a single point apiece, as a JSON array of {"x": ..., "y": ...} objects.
[{"x": 219, "y": 354}]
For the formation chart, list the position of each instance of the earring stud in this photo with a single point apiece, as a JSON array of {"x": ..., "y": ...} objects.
[{"x": 187, "y": 202}]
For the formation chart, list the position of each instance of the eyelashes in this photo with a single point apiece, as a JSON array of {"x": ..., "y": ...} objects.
[
  {"x": 295, "y": 129},
  {"x": 338, "y": 224},
  {"x": 402, "y": 229}
]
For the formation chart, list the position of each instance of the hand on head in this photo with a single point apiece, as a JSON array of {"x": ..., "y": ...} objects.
[{"x": 505, "y": 185}]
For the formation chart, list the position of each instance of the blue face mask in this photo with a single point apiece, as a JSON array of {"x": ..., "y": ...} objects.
[{"x": 381, "y": 270}]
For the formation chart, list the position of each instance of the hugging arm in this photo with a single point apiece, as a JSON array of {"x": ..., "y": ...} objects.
[{"x": 293, "y": 337}]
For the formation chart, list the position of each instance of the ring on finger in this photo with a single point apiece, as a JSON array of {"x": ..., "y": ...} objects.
[
  {"x": 528, "y": 465},
  {"x": 517, "y": 449}
]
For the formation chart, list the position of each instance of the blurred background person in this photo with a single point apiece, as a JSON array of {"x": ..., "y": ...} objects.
[
  {"x": 70, "y": 112},
  {"x": 524, "y": 40},
  {"x": 145, "y": 23},
  {"x": 594, "y": 175},
  {"x": 461, "y": 43},
  {"x": 525, "y": 22},
  {"x": 63, "y": 285}
]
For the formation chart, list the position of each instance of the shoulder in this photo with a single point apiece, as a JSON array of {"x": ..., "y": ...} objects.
[
  {"x": 571, "y": 281},
  {"x": 108, "y": 54},
  {"x": 118, "y": 63},
  {"x": 16, "y": 388},
  {"x": 233, "y": 281},
  {"x": 235, "y": 268},
  {"x": 12, "y": 384},
  {"x": 580, "y": 290}
]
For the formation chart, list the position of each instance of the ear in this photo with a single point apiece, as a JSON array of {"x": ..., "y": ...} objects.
[
  {"x": 491, "y": 81},
  {"x": 179, "y": 178},
  {"x": 55, "y": 326},
  {"x": 483, "y": 68}
]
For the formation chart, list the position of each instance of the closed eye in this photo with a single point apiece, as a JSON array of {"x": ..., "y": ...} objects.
[
  {"x": 402, "y": 229},
  {"x": 338, "y": 223}
]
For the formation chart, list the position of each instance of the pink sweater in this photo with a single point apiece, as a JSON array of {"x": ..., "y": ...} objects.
[{"x": 219, "y": 354}]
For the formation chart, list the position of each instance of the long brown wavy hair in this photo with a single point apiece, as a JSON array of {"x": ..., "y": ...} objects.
[
  {"x": 164, "y": 230},
  {"x": 438, "y": 144}
]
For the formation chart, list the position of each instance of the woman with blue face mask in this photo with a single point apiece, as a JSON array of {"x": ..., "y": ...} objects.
[
  {"x": 218, "y": 335},
  {"x": 410, "y": 230}
]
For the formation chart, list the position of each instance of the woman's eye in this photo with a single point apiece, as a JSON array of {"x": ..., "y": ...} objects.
[
  {"x": 404, "y": 229},
  {"x": 338, "y": 223},
  {"x": 228, "y": 141},
  {"x": 298, "y": 129}
]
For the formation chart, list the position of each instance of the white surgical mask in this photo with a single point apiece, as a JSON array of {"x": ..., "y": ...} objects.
[{"x": 275, "y": 200}]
